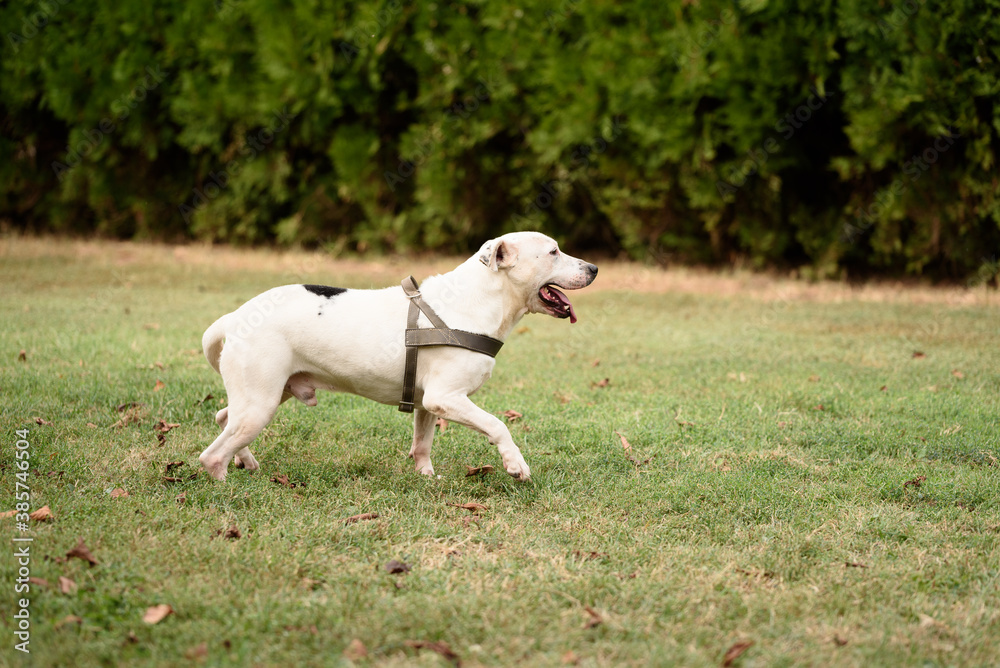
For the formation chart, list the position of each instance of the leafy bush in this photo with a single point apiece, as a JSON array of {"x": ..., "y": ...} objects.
[{"x": 834, "y": 136}]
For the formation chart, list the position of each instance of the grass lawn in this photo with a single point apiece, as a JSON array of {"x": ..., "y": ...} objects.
[{"x": 814, "y": 470}]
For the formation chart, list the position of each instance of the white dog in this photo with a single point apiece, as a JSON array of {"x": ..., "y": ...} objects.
[{"x": 293, "y": 340}]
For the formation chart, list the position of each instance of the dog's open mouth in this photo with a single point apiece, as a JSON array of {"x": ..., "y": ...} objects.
[{"x": 557, "y": 303}]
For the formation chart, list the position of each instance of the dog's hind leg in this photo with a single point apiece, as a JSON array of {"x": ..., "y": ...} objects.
[{"x": 423, "y": 437}]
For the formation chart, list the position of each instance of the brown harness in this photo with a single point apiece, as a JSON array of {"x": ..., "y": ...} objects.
[{"x": 439, "y": 335}]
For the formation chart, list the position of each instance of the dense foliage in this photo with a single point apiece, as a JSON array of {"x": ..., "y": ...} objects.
[{"x": 854, "y": 135}]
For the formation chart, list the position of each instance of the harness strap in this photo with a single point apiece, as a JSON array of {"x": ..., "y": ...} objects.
[{"x": 440, "y": 335}]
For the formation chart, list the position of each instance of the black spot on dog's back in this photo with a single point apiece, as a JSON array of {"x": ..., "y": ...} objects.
[{"x": 324, "y": 290}]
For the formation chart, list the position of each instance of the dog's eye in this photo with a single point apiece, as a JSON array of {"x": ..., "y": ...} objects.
[{"x": 554, "y": 251}]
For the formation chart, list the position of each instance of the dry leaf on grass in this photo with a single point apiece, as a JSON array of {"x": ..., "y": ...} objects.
[
  {"x": 478, "y": 470},
  {"x": 854, "y": 564},
  {"x": 593, "y": 618},
  {"x": 68, "y": 619},
  {"x": 587, "y": 556},
  {"x": 159, "y": 386},
  {"x": 172, "y": 479},
  {"x": 395, "y": 566},
  {"x": 233, "y": 533},
  {"x": 198, "y": 652},
  {"x": 628, "y": 451},
  {"x": 157, "y": 613},
  {"x": 81, "y": 552},
  {"x": 283, "y": 480},
  {"x": 735, "y": 652},
  {"x": 472, "y": 507},
  {"x": 43, "y": 422},
  {"x": 439, "y": 647},
  {"x": 355, "y": 650},
  {"x": 358, "y": 518},
  {"x": 957, "y": 374},
  {"x": 915, "y": 483},
  {"x": 118, "y": 493},
  {"x": 173, "y": 465},
  {"x": 163, "y": 427},
  {"x": 66, "y": 585},
  {"x": 181, "y": 498},
  {"x": 601, "y": 383},
  {"x": 22, "y": 356},
  {"x": 511, "y": 415},
  {"x": 41, "y": 582},
  {"x": 43, "y": 514},
  {"x": 919, "y": 355}
]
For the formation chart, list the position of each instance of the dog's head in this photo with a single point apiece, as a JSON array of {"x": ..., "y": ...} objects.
[{"x": 536, "y": 268}]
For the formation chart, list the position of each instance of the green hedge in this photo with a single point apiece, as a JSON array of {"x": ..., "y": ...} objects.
[{"x": 858, "y": 136}]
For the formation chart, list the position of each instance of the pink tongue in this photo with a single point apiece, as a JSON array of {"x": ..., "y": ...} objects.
[{"x": 562, "y": 299}]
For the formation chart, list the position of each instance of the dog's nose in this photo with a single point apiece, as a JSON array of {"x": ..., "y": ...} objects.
[{"x": 592, "y": 268}]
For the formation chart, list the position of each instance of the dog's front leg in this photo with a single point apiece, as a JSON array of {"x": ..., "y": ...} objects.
[
  {"x": 423, "y": 437},
  {"x": 460, "y": 409}
]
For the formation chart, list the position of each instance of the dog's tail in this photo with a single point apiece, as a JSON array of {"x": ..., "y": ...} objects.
[{"x": 212, "y": 340}]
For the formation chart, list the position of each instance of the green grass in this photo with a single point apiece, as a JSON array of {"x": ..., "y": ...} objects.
[{"x": 780, "y": 435}]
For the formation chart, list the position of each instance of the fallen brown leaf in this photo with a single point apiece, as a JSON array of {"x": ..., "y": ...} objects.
[
  {"x": 587, "y": 556},
  {"x": 883, "y": 388},
  {"x": 839, "y": 641},
  {"x": 478, "y": 470},
  {"x": 208, "y": 397},
  {"x": 131, "y": 404},
  {"x": 43, "y": 514},
  {"x": 81, "y": 552},
  {"x": 22, "y": 356},
  {"x": 233, "y": 533},
  {"x": 66, "y": 585},
  {"x": 439, "y": 647},
  {"x": 43, "y": 422},
  {"x": 163, "y": 427},
  {"x": 569, "y": 659},
  {"x": 595, "y": 363},
  {"x": 159, "y": 386},
  {"x": 735, "y": 652},
  {"x": 593, "y": 618},
  {"x": 157, "y": 613},
  {"x": 68, "y": 619},
  {"x": 282, "y": 479},
  {"x": 173, "y": 465},
  {"x": 915, "y": 482},
  {"x": 395, "y": 566},
  {"x": 471, "y": 507},
  {"x": 854, "y": 564},
  {"x": 918, "y": 355},
  {"x": 601, "y": 383},
  {"x": 181, "y": 498},
  {"x": 41, "y": 582},
  {"x": 358, "y": 518},
  {"x": 355, "y": 650},
  {"x": 511, "y": 415},
  {"x": 628, "y": 451},
  {"x": 92, "y": 425},
  {"x": 814, "y": 378},
  {"x": 172, "y": 479},
  {"x": 818, "y": 407},
  {"x": 957, "y": 374},
  {"x": 118, "y": 493},
  {"x": 198, "y": 652}
]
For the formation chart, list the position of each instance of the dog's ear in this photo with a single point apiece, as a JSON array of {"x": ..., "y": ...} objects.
[{"x": 497, "y": 254}]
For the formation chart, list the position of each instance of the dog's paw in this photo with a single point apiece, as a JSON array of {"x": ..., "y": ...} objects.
[
  {"x": 426, "y": 470},
  {"x": 246, "y": 461},
  {"x": 518, "y": 469}
]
